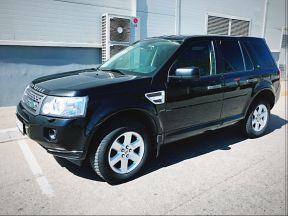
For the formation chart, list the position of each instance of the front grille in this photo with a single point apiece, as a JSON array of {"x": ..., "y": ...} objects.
[{"x": 32, "y": 100}]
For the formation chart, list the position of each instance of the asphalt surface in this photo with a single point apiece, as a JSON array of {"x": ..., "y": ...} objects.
[{"x": 215, "y": 173}]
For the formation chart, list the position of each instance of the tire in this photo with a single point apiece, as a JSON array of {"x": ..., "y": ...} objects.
[
  {"x": 121, "y": 153},
  {"x": 257, "y": 119}
]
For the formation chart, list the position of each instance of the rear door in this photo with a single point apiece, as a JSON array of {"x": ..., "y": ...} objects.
[{"x": 239, "y": 78}]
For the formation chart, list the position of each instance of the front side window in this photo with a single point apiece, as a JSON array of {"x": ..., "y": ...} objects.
[
  {"x": 199, "y": 54},
  {"x": 231, "y": 56},
  {"x": 144, "y": 57}
]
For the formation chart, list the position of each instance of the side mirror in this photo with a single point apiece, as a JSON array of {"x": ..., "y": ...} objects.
[{"x": 188, "y": 73}]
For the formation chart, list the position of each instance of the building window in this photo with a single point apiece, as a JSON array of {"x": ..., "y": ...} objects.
[{"x": 227, "y": 26}]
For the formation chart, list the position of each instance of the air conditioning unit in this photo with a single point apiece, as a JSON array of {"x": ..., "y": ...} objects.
[{"x": 118, "y": 32}]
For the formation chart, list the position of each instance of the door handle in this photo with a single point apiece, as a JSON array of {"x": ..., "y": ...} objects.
[
  {"x": 252, "y": 80},
  {"x": 214, "y": 87}
]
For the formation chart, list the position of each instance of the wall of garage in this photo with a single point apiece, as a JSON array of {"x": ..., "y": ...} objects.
[
  {"x": 41, "y": 37},
  {"x": 67, "y": 23},
  {"x": 156, "y": 17},
  {"x": 275, "y": 32},
  {"x": 274, "y": 23},
  {"x": 194, "y": 14},
  {"x": 21, "y": 64}
]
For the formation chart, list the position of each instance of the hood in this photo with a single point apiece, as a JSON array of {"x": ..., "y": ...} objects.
[{"x": 78, "y": 82}]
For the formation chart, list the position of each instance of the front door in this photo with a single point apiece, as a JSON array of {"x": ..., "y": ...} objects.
[{"x": 193, "y": 104}]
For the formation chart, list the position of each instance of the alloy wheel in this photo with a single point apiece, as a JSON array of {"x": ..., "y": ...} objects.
[
  {"x": 126, "y": 152},
  {"x": 259, "y": 117}
]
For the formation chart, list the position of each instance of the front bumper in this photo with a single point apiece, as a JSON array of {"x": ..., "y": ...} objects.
[{"x": 70, "y": 139}]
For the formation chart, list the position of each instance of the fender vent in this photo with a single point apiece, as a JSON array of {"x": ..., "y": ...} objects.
[{"x": 156, "y": 97}]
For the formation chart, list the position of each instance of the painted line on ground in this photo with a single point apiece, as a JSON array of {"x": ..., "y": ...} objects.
[
  {"x": 8, "y": 130},
  {"x": 36, "y": 169},
  {"x": 12, "y": 140},
  {"x": 10, "y": 135}
]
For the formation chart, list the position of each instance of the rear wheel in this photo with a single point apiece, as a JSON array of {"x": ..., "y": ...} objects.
[
  {"x": 121, "y": 153},
  {"x": 257, "y": 119}
]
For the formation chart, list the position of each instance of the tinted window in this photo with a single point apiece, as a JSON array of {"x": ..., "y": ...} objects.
[
  {"x": 247, "y": 59},
  {"x": 231, "y": 56},
  {"x": 259, "y": 53},
  {"x": 199, "y": 55}
]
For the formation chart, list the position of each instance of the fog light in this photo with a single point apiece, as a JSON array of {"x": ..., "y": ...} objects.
[{"x": 52, "y": 134}]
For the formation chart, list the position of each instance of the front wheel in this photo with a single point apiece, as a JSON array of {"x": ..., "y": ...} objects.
[
  {"x": 257, "y": 119},
  {"x": 121, "y": 153}
]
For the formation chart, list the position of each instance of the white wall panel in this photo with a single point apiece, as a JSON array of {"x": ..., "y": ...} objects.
[
  {"x": 164, "y": 7},
  {"x": 194, "y": 12},
  {"x": 157, "y": 17},
  {"x": 275, "y": 22},
  {"x": 66, "y": 22}
]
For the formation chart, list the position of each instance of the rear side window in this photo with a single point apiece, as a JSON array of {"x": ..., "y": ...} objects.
[
  {"x": 247, "y": 58},
  {"x": 260, "y": 54},
  {"x": 231, "y": 56}
]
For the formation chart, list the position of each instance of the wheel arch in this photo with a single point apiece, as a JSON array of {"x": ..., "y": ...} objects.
[
  {"x": 264, "y": 93},
  {"x": 152, "y": 124}
]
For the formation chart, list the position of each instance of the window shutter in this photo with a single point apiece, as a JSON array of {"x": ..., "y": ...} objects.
[
  {"x": 239, "y": 27},
  {"x": 218, "y": 25}
]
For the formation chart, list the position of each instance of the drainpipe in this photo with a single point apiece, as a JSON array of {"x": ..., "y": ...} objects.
[
  {"x": 178, "y": 17},
  {"x": 264, "y": 19}
]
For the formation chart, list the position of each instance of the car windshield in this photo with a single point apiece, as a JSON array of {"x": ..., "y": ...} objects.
[{"x": 143, "y": 57}]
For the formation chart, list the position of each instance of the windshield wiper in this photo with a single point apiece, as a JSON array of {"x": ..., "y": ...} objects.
[{"x": 113, "y": 70}]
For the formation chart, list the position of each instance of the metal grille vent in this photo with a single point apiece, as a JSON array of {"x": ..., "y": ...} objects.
[
  {"x": 32, "y": 100},
  {"x": 114, "y": 49},
  {"x": 284, "y": 41},
  {"x": 239, "y": 27},
  {"x": 104, "y": 36},
  {"x": 119, "y": 30},
  {"x": 227, "y": 26},
  {"x": 218, "y": 25}
]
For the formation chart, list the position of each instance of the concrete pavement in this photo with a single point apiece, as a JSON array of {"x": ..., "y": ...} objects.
[{"x": 216, "y": 173}]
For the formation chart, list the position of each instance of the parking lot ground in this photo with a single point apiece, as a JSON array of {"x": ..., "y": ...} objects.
[{"x": 219, "y": 172}]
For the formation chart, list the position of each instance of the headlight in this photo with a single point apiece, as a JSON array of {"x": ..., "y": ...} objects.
[{"x": 64, "y": 106}]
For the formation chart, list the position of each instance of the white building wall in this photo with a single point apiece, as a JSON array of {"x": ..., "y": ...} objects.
[
  {"x": 274, "y": 23},
  {"x": 68, "y": 23},
  {"x": 77, "y": 23},
  {"x": 157, "y": 17},
  {"x": 194, "y": 14}
]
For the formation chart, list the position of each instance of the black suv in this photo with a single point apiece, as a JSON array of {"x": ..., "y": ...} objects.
[{"x": 156, "y": 91}]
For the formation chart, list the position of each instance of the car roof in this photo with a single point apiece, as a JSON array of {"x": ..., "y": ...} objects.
[{"x": 211, "y": 37}]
